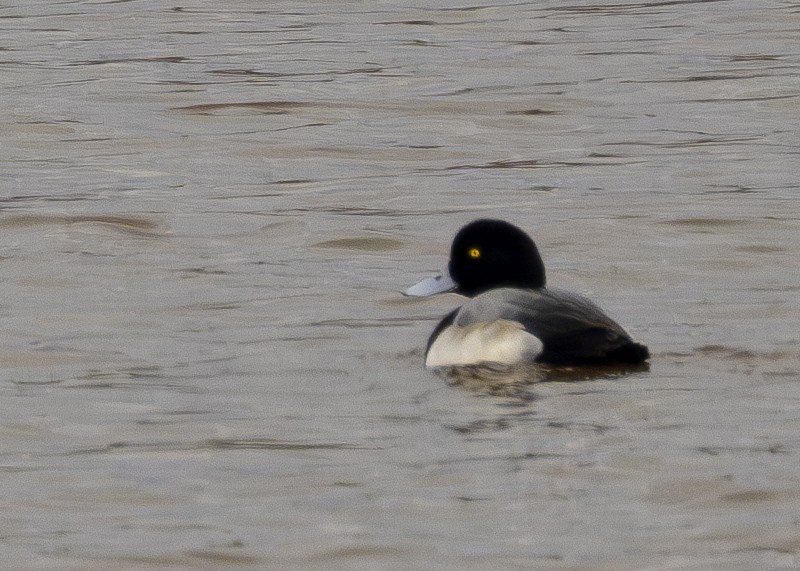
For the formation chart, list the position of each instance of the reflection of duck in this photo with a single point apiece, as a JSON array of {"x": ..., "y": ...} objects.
[{"x": 512, "y": 318}]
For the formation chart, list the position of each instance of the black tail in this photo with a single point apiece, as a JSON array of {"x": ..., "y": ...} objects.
[{"x": 630, "y": 353}]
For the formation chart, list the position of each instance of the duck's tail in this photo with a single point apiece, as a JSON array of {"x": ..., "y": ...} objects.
[{"x": 629, "y": 353}]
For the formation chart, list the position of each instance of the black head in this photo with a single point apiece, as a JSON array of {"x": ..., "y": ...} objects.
[{"x": 487, "y": 254}]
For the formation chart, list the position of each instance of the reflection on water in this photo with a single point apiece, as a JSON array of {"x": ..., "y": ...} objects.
[
  {"x": 516, "y": 380},
  {"x": 207, "y": 214}
]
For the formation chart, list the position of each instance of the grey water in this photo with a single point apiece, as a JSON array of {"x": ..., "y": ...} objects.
[{"x": 208, "y": 212}]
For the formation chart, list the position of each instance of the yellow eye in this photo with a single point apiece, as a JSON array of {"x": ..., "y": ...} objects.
[{"x": 474, "y": 253}]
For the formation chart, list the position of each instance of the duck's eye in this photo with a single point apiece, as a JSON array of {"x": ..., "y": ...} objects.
[{"x": 474, "y": 253}]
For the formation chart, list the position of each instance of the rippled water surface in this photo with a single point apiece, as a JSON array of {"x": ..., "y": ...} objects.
[{"x": 207, "y": 214}]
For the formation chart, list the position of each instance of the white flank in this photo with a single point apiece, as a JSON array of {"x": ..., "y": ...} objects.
[{"x": 501, "y": 341}]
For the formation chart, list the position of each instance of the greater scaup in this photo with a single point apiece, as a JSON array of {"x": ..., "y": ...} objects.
[{"x": 512, "y": 318}]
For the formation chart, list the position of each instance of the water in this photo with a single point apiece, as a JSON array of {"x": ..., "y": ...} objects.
[{"x": 208, "y": 212}]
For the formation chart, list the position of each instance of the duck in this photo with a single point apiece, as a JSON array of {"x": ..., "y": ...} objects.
[{"x": 511, "y": 317}]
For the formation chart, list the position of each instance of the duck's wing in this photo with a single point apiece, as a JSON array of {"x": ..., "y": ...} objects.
[{"x": 571, "y": 327}]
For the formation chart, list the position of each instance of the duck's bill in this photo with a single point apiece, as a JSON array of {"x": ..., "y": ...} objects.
[{"x": 431, "y": 286}]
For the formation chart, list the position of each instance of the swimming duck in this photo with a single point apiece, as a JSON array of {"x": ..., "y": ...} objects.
[{"x": 511, "y": 316}]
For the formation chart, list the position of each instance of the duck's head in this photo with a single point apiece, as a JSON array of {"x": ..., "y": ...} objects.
[{"x": 487, "y": 254}]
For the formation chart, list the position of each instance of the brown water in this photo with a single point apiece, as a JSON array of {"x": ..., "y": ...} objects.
[{"x": 207, "y": 214}]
